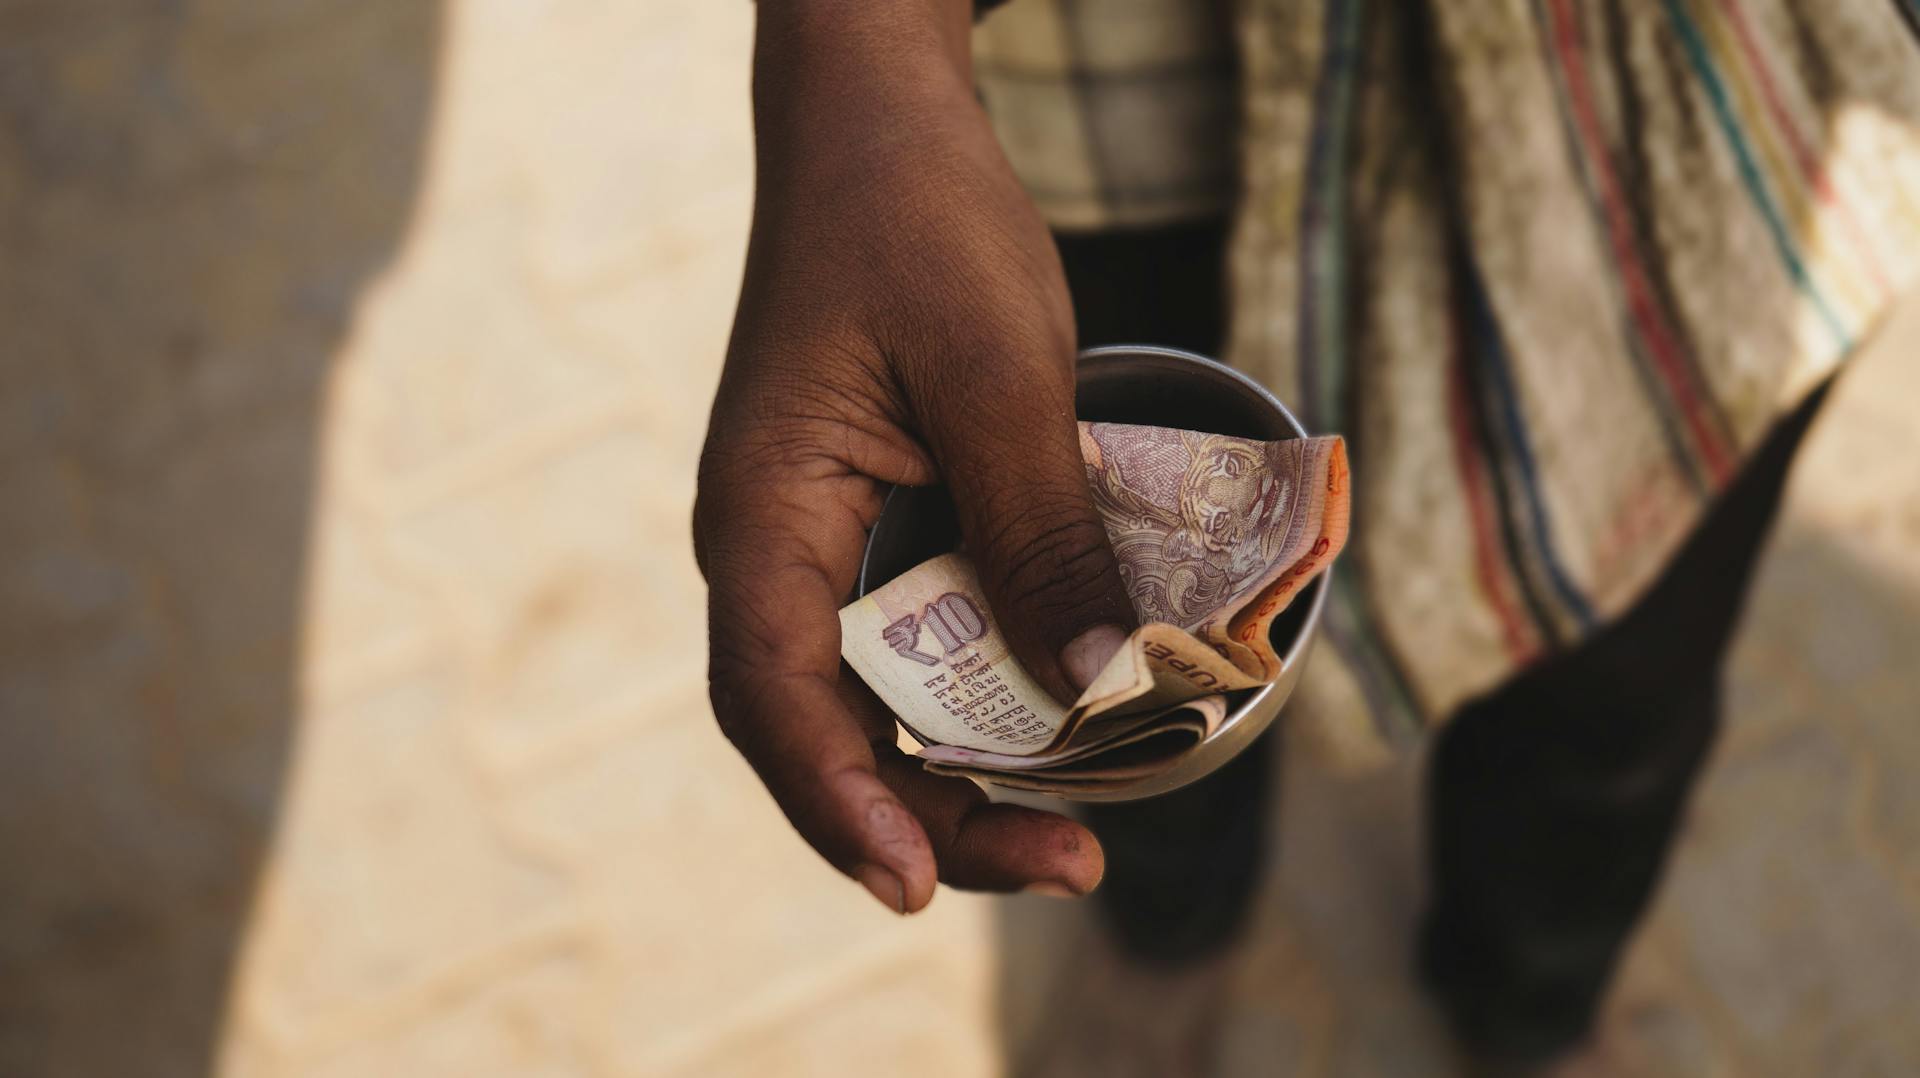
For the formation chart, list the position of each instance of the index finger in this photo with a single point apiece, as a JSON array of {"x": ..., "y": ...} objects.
[{"x": 779, "y": 558}]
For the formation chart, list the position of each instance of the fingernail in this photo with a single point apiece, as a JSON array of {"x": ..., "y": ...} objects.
[
  {"x": 884, "y": 885},
  {"x": 1083, "y": 658},
  {"x": 1050, "y": 889}
]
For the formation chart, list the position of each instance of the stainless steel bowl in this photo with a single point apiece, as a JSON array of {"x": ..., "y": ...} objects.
[{"x": 1163, "y": 387}]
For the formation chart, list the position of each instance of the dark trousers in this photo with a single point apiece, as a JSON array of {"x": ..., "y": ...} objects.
[{"x": 1552, "y": 801}]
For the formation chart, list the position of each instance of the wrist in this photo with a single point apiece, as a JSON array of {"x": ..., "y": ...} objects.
[{"x": 866, "y": 45}]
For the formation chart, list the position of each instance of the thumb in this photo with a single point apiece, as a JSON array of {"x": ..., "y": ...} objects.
[{"x": 1028, "y": 520}]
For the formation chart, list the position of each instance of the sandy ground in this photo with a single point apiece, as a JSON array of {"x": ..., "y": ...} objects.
[{"x": 352, "y": 718}]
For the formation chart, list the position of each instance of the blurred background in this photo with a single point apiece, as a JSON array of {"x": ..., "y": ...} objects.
[{"x": 354, "y": 361}]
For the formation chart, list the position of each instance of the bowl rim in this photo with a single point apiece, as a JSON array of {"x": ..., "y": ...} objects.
[
  {"x": 1309, "y": 626},
  {"x": 1248, "y": 718}
]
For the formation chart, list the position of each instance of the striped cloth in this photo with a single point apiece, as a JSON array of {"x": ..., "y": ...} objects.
[{"x": 1554, "y": 267}]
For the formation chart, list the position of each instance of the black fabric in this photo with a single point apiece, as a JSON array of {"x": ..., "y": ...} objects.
[
  {"x": 1552, "y": 801},
  {"x": 1163, "y": 286},
  {"x": 1183, "y": 868}
]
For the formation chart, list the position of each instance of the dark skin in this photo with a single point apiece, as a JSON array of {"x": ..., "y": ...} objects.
[{"x": 903, "y": 319}]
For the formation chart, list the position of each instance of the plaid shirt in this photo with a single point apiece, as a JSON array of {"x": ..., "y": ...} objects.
[
  {"x": 1555, "y": 268},
  {"x": 1115, "y": 113}
]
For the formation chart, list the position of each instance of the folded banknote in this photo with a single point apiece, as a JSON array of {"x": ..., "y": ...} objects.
[{"x": 1215, "y": 536}]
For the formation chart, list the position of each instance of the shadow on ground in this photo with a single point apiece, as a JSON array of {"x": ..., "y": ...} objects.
[{"x": 192, "y": 197}]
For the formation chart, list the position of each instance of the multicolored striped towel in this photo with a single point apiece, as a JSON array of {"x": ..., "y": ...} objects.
[{"x": 1554, "y": 267}]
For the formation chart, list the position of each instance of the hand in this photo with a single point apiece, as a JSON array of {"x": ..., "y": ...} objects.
[{"x": 904, "y": 319}]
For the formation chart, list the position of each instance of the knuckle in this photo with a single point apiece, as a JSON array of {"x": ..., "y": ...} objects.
[
  {"x": 753, "y": 641},
  {"x": 732, "y": 689},
  {"x": 1053, "y": 565},
  {"x": 743, "y": 698},
  {"x": 716, "y": 507},
  {"x": 819, "y": 379},
  {"x": 803, "y": 408},
  {"x": 734, "y": 462},
  {"x": 773, "y": 452},
  {"x": 730, "y": 718},
  {"x": 748, "y": 478},
  {"x": 760, "y": 651}
]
